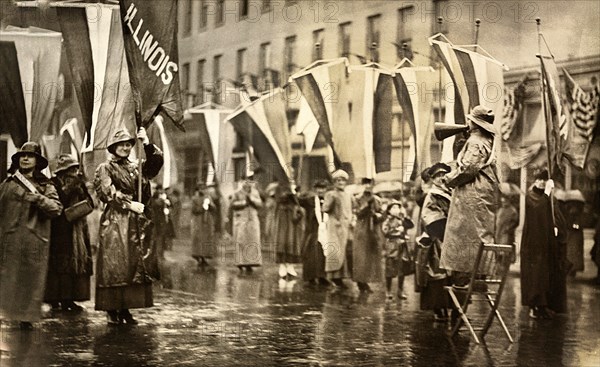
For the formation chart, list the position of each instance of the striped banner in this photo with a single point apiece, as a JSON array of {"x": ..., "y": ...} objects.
[
  {"x": 410, "y": 82},
  {"x": 557, "y": 129},
  {"x": 323, "y": 85},
  {"x": 477, "y": 77},
  {"x": 583, "y": 110},
  {"x": 263, "y": 125},
  {"x": 167, "y": 176},
  {"x": 306, "y": 125},
  {"x": 215, "y": 135},
  {"x": 366, "y": 139}
]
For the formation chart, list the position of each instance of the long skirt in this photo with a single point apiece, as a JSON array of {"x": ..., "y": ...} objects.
[
  {"x": 23, "y": 269},
  {"x": 434, "y": 296},
  {"x": 67, "y": 287},
  {"x": 313, "y": 259},
  {"x": 124, "y": 297}
]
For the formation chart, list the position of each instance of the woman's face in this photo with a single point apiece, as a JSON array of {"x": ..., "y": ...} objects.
[
  {"x": 123, "y": 149},
  {"x": 340, "y": 183},
  {"x": 27, "y": 162}
]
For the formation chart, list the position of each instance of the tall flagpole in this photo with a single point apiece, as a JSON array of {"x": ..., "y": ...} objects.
[{"x": 545, "y": 113}]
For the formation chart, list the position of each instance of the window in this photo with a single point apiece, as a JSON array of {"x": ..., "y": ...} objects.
[
  {"x": 187, "y": 17},
  {"x": 220, "y": 14},
  {"x": 344, "y": 39},
  {"x": 318, "y": 43},
  {"x": 288, "y": 56},
  {"x": 185, "y": 77},
  {"x": 373, "y": 37},
  {"x": 266, "y": 5},
  {"x": 200, "y": 81},
  {"x": 203, "y": 14},
  {"x": 439, "y": 12},
  {"x": 403, "y": 34},
  {"x": 217, "y": 78},
  {"x": 240, "y": 65},
  {"x": 264, "y": 58},
  {"x": 244, "y": 8}
]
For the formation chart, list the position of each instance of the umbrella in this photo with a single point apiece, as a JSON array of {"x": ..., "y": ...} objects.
[{"x": 509, "y": 189}]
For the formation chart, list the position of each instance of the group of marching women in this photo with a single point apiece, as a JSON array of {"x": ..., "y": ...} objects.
[{"x": 45, "y": 241}]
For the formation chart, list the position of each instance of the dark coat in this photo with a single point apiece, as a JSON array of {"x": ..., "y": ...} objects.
[
  {"x": 366, "y": 247},
  {"x": 120, "y": 253},
  {"x": 204, "y": 226},
  {"x": 543, "y": 256},
  {"x": 313, "y": 258},
  {"x": 70, "y": 263},
  {"x": 289, "y": 228},
  {"x": 25, "y": 221}
]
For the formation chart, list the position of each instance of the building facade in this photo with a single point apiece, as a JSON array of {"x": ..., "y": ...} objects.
[{"x": 223, "y": 44}]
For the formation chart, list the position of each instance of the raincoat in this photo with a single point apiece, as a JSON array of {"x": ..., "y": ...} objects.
[
  {"x": 204, "y": 225},
  {"x": 338, "y": 204},
  {"x": 289, "y": 227},
  {"x": 122, "y": 279},
  {"x": 471, "y": 218},
  {"x": 70, "y": 264},
  {"x": 366, "y": 247},
  {"x": 246, "y": 227},
  {"x": 25, "y": 221}
]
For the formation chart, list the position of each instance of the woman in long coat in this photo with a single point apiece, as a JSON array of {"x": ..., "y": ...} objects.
[
  {"x": 204, "y": 226},
  {"x": 313, "y": 259},
  {"x": 288, "y": 230},
  {"x": 245, "y": 204},
  {"x": 367, "y": 243},
  {"x": 70, "y": 264},
  {"x": 122, "y": 280},
  {"x": 29, "y": 201},
  {"x": 471, "y": 218}
]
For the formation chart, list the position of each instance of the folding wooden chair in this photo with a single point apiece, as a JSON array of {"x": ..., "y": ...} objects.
[{"x": 487, "y": 283}]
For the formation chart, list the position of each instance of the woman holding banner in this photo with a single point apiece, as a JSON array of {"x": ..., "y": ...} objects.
[{"x": 122, "y": 280}]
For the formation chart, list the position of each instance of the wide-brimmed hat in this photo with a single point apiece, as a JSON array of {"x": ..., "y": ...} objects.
[
  {"x": 395, "y": 202},
  {"x": 65, "y": 162},
  {"x": 438, "y": 168},
  {"x": 119, "y": 137},
  {"x": 34, "y": 148},
  {"x": 482, "y": 117}
]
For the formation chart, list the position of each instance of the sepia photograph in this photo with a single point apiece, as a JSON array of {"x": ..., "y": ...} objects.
[{"x": 299, "y": 183}]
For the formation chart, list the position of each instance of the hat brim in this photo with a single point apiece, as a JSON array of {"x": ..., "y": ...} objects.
[
  {"x": 482, "y": 124},
  {"x": 60, "y": 169},
  {"x": 111, "y": 148},
  {"x": 41, "y": 162}
]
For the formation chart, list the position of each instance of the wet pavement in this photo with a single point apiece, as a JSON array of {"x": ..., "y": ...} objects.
[{"x": 218, "y": 317}]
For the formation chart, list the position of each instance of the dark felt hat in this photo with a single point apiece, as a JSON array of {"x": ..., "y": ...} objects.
[
  {"x": 34, "y": 148},
  {"x": 65, "y": 162},
  {"x": 482, "y": 117},
  {"x": 438, "y": 168}
]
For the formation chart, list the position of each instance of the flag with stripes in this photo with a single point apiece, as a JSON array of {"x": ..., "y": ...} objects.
[
  {"x": 417, "y": 107},
  {"x": 76, "y": 37},
  {"x": 365, "y": 140},
  {"x": 477, "y": 77},
  {"x": 512, "y": 109},
  {"x": 557, "y": 128},
  {"x": 263, "y": 125},
  {"x": 324, "y": 86},
  {"x": 215, "y": 137},
  {"x": 583, "y": 110},
  {"x": 306, "y": 125},
  {"x": 167, "y": 176},
  {"x": 38, "y": 54}
]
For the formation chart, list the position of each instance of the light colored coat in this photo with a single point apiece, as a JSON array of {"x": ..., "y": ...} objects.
[
  {"x": 472, "y": 215},
  {"x": 246, "y": 227},
  {"x": 338, "y": 204}
]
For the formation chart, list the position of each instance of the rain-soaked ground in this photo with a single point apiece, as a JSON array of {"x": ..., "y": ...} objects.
[{"x": 220, "y": 318}]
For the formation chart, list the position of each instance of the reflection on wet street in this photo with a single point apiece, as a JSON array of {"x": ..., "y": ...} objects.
[{"x": 216, "y": 317}]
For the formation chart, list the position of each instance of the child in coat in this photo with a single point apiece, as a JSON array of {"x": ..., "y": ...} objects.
[{"x": 396, "y": 252}]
